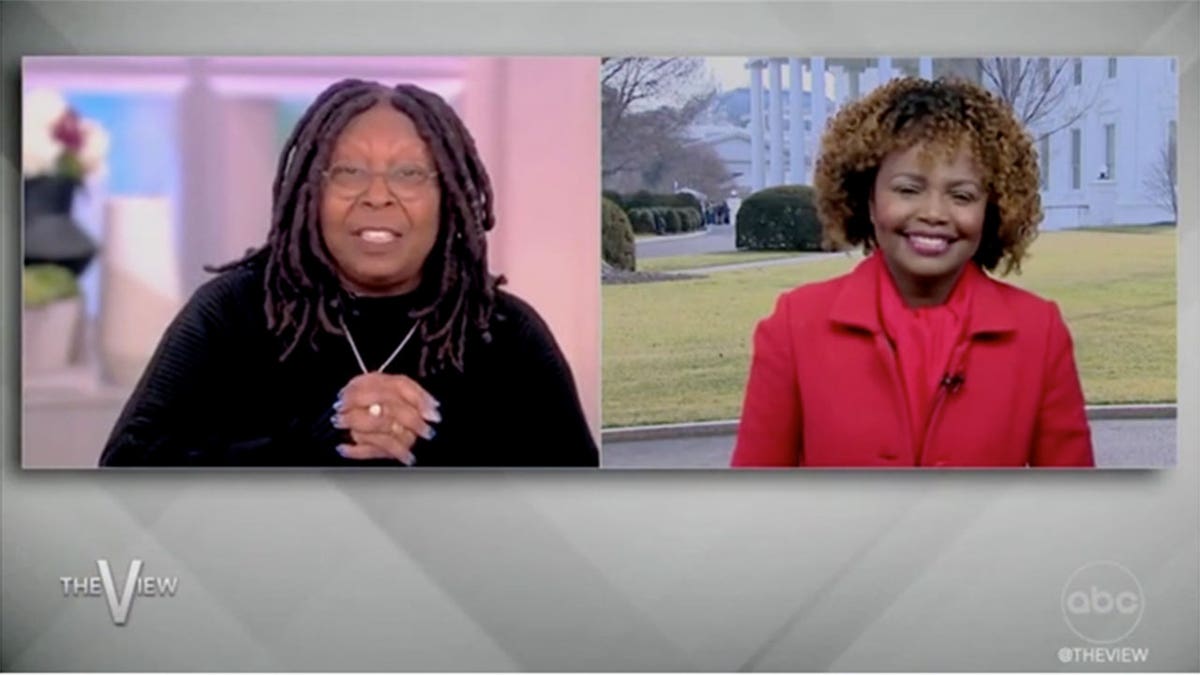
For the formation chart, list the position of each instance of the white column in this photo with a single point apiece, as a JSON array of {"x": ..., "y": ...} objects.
[
  {"x": 885, "y": 69},
  {"x": 841, "y": 86},
  {"x": 925, "y": 65},
  {"x": 817, "y": 65},
  {"x": 757, "y": 173},
  {"x": 796, "y": 123},
  {"x": 775, "y": 102},
  {"x": 204, "y": 163},
  {"x": 831, "y": 86}
]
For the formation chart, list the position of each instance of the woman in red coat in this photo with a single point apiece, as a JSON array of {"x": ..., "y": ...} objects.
[{"x": 918, "y": 357}]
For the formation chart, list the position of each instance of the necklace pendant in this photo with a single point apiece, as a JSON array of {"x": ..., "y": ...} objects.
[{"x": 396, "y": 352}]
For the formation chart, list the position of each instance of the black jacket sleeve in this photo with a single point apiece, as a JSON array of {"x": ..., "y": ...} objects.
[{"x": 182, "y": 410}]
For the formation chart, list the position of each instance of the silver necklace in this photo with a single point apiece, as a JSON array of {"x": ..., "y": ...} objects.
[{"x": 395, "y": 353}]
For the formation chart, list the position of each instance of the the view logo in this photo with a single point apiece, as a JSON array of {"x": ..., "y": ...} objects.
[{"x": 119, "y": 600}]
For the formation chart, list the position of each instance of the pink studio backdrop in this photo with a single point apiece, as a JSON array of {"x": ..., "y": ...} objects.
[{"x": 535, "y": 121}]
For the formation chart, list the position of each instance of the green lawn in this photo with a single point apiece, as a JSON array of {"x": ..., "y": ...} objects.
[
  {"x": 683, "y": 262},
  {"x": 679, "y": 351}
]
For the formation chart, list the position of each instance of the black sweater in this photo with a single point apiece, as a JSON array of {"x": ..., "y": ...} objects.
[{"x": 216, "y": 394}]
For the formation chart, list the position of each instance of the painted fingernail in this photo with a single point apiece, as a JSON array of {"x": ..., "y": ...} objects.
[
  {"x": 432, "y": 415},
  {"x": 429, "y": 433},
  {"x": 339, "y": 404},
  {"x": 409, "y": 460},
  {"x": 337, "y": 421},
  {"x": 342, "y": 450},
  {"x": 434, "y": 403}
]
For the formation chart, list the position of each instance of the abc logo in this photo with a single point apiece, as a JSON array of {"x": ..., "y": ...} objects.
[{"x": 1102, "y": 602}]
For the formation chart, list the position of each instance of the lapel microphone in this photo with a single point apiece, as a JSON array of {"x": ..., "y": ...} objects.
[{"x": 952, "y": 383}]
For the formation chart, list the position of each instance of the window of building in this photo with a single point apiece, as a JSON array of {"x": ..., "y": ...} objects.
[
  {"x": 1044, "y": 162},
  {"x": 1076, "y": 159},
  {"x": 1112, "y": 67},
  {"x": 1110, "y": 151},
  {"x": 1043, "y": 71},
  {"x": 1077, "y": 68}
]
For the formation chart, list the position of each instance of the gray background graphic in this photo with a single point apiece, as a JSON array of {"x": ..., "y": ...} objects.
[{"x": 599, "y": 570}]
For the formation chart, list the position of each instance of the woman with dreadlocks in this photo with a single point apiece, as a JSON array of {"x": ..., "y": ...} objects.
[
  {"x": 917, "y": 357},
  {"x": 368, "y": 329}
]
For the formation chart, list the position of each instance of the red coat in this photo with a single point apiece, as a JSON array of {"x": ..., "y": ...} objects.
[{"x": 825, "y": 390}]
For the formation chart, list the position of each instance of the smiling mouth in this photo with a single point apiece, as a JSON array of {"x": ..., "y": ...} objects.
[
  {"x": 926, "y": 244},
  {"x": 377, "y": 236}
]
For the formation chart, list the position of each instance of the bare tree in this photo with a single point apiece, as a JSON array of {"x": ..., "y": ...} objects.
[
  {"x": 693, "y": 165},
  {"x": 646, "y": 103},
  {"x": 630, "y": 81},
  {"x": 1041, "y": 91},
  {"x": 643, "y": 136},
  {"x": 1161, "y": 182}
]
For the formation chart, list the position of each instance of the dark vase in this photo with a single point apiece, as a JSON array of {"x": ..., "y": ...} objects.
[
  {"x": 49, "y": 195},
  {"x": 51, "y": 235}
]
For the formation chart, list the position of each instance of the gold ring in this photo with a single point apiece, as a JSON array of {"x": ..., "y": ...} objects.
[{"x": 375, "y": 410}]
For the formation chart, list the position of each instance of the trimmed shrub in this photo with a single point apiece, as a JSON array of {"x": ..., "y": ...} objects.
[
  {"x": 674, "y": 222},
  {"x": 687, "y": 201},
  {"x": 617, "y": 247},
  {"x": 685, "y": 223},
  {"x": 681, "y": 214},
  {"x": 616, "y": 198},
  {"x": 782, "y": 218},
  {"x": 643, "y": 199},
  {"x": 642, "y": 221},
  {"x": 660, "y": 220}
]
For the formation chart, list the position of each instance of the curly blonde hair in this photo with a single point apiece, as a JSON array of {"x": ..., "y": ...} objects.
[{"x": 942, "y": 114}]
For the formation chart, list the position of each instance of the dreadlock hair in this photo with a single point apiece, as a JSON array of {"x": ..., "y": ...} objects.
[{"x": 303, "y": 292}]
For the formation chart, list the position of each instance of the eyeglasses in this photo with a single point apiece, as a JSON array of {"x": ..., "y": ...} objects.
[{"x": 406, "y": 182}]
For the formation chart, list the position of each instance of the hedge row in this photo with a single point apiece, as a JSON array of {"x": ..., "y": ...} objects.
[
  {"x": 665, "y": 220},
  {"x": 659, "y": 205},
  {"x": 644, "y": 200}
]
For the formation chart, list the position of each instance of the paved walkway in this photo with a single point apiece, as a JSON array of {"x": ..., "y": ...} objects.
[
  {"x": 772, "y": 262},
  {"x": 1118, "y": 444},
  {"x": 718, "y": 239}
]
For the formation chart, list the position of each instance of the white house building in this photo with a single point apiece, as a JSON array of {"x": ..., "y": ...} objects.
[
  {"x": 1099, "y": 169},
  {"x": 1100, "y": 145}
]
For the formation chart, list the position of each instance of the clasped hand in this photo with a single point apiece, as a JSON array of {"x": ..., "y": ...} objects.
[{"x": 385, "y": 415}]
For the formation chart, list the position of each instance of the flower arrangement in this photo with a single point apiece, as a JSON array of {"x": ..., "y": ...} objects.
[
  {"x": 57, "y": 141},
  {"x": 60, "y": 150}
]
